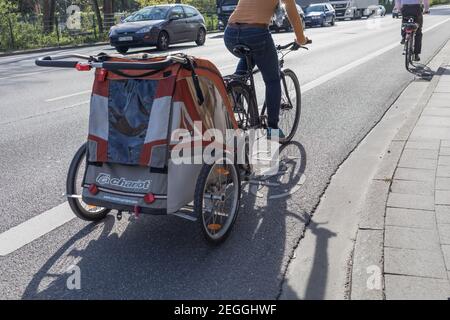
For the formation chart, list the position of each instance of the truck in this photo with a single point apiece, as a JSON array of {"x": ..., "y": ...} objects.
[
  {"x": 224, "y": 10},
  {"x": 354, "y": 9}
]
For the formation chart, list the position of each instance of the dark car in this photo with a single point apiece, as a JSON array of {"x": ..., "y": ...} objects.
[
  {"x": 159, "y": 26},
  {"x": 280, "y": 20},
  {"x": 320, "y": 14}
]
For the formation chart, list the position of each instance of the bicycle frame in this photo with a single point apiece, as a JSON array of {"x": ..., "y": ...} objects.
[{"x": 249, "y": 80}]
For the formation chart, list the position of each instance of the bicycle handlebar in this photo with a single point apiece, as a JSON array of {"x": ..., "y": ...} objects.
[{"x": 293, "y": 46}]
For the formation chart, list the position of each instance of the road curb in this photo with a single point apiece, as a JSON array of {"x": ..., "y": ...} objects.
[
  {"x": 50, "y": 49},
  {"x": 367, "y": 280}
]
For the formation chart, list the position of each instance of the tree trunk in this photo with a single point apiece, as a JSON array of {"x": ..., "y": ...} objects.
[
  {"x": 49, "y": 15},
  {"x": 108, "y": 16},
  {"x": 98, "y": 15}
]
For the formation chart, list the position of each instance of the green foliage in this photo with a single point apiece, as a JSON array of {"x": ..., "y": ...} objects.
[{"x": 435, "y": 2}]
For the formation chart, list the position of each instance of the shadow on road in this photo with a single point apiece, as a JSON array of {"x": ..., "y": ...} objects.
[
  {"x": 318, "y": 278},
  {"x": 422, "y": 71},
  {"x": 217, "y": 36},
  {"x": 167, "y": 258}
]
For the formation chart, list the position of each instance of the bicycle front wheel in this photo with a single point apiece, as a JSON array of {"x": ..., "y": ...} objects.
[
  {"x": 408, "y": 51},
  {"x": 290, "y": 105}
]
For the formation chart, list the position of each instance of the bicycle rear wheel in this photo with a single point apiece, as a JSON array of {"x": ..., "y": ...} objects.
[
  {"x": 243, "y": 108},
  {"x": 290, "y": 105},
  {"x": 217, "y": 197}
]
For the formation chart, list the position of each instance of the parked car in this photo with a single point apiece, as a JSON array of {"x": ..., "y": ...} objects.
[
  {"x": 320, "y": 14},
  {"x": 280, "y": 20},
  {"x": 159, "y": 26},
  {"x": 381, "y": 10},
  {"x": 396, "y": 13}
]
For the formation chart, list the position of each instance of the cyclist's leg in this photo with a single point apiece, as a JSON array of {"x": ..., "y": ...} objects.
[
  {"x": 418, "y": 38},
  {"x": 265, "y": 57},
  {"x": 267, "y": 62},
  {"x": 402, "y": 32}
]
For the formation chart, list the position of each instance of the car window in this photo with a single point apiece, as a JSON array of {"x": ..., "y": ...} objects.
[
  {"x": 314, "y": 8},
  {"x": 177, "y": 13},
  {"x": 150, "y": 13},
  {"x": 190, "y": 12}
]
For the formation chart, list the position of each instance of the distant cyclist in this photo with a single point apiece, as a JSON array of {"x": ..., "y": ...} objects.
[
  {"x": 249, "y": 25},
  {"x": 414, "y": 9}
]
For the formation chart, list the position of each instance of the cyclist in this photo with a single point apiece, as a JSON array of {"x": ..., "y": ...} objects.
[
  {"x": 413, "y": 8},
  {"x": 249, "y": 25}
]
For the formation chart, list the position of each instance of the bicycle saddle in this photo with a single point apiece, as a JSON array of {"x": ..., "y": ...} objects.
[{"x": 242, "y": 50}]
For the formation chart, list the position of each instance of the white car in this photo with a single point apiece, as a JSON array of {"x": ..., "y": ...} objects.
[
  {"x": 280, "y": 19},
  {"x": 381, "y": 11}
]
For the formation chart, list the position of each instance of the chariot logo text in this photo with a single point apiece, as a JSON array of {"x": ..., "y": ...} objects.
[{"x": 105, "y": 179}]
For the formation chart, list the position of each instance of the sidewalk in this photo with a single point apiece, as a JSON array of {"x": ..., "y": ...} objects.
[{"x": 402, "y": 250}]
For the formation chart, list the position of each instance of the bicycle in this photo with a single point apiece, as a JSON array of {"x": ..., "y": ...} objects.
[
  {"x": 410, "y": 29},
  {"x": 241, "y": 88}
]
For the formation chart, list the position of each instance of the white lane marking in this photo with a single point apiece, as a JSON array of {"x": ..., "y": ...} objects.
[
  {"x": 68, "y": 96},
  {"x": 326, "y": 77},
  {"x": 29, "y": 73},
  {"x": 34, "y": 228},
  {"x": 45, "y": 113}
]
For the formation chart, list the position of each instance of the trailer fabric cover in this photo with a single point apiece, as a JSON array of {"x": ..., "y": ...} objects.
[{"x": 132, "y": 118}]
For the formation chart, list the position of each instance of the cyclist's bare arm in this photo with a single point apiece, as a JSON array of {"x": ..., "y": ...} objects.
[{"x": 296, "y": 21}]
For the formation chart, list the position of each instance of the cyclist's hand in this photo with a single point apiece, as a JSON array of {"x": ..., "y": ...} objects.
[{"x": 303, "y": 41}]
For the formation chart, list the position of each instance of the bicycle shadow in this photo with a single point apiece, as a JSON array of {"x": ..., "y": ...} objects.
[
  {"x": 167, "y": 258},
  {"x": 317, "y": 278},
  {"x": 422, "y": 71}
]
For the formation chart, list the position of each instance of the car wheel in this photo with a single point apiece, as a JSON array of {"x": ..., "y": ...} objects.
[
  {"x": 324, "y": 22},
  {"x": 163, "y": 41},
  {"x": 333, "y": 22},
  {"x": 122, "y": 50},
  {"x": 201, "y": 37}
]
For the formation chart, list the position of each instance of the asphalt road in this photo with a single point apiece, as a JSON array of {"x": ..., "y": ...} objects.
[{"x": 352, "y": 74}]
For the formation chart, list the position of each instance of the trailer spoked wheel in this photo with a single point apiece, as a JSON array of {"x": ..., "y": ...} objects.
[
  {"x": 217, "y": 197},
  {"x": 74, "y": 186}
]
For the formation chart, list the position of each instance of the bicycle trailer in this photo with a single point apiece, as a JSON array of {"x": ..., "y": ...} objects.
[{"x": 132, "y": 117}]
